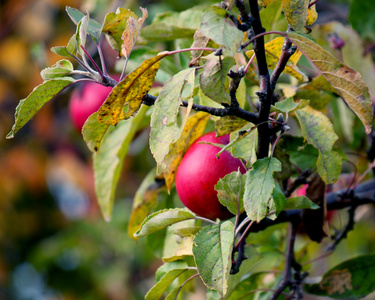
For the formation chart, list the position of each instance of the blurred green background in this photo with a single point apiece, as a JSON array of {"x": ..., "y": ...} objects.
[{"x": 54, "y": 243}]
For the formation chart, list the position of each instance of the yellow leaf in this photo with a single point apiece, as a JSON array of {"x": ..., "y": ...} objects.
[
  {"x": 312, "y": 15},
  {"x": 131, "y": 32},
  {"x": 348, "y": 83},
  {"x": 265, "y": 3},
  {"x": 115, "y": 24},
  {"x": 295, "y": 12},
  {"x": 273, "y": 52},
  {"x": 194, "y": 128},
  {"x": 128, "y": 94}
]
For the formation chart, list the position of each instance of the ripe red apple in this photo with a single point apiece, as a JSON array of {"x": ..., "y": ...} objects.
[
  {"x": 198, "y": 173},
  {"x": 85, "y": 100}
]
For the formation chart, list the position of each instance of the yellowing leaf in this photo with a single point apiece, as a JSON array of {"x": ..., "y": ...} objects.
[
  {"x": 265, "y": 3},
  {"x": 114, "y": 25},
  {"x": 144, "y": 200},
  {"x": 312, "y": 15},
  {"x": 129, "y": 92},
  {"x": 194, "y": 128},
  {"x": 131, "y": 32},
  {"x": 295, "y": 12},
  {"x": 273, "y": 52},
  {"x": 318, "y": 130},
  {"x": 348, "y": 83}
]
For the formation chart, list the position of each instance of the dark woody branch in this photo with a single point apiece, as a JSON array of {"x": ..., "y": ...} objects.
[{"x": 220, "y": 112}]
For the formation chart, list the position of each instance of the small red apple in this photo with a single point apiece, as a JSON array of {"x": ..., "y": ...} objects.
[
  {"x": 87, "y": 99},
  {"x": 198, "y": 173}
]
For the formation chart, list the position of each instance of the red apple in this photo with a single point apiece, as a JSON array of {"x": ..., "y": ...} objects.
[
  {"x": 85, "y": 100},
  {"x": 198, "y": 173}
]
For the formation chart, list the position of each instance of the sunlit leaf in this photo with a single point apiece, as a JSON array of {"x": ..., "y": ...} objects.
[
  {"x": 212, "y": 253},
  {"x": 129, "y": 92},
  {"x": 295, "y": 12},
  {"x": 165, "y": 129},
  {"x": 115, "y": 24},
  {"x": 178, "y": 247},
  {"x": 214, "y": 80},
  {"x": 230, "y": 190},
  {"x": 352, "y": 279},
  {"x": 132, "y": 32},
  {"x": 312, "y": 15},
  {"x": 217, "y": 26},
  {"x": 29, "y": 106},
  {"x": 167, "y": 274},
  {"x": 273, "y": 52},
  {"x": 60, "y": 69},
  {"x": 200, "y": 41},
  {"x": 162, "y": 219},
  {"x": 108, "y": 161},
  {"x": 71, "y": 48},
  {"x": 288, "y": 105},
  {"x": 174, "y": 25},
  {"x": 259, "y": 187},
  {"x": 348, "y": 83}
]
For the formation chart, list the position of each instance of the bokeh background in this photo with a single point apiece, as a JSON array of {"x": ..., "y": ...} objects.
[{"x": 54, "y": 243}]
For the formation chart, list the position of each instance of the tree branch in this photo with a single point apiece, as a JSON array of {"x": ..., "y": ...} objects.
[{"x": 220, "y": 112}]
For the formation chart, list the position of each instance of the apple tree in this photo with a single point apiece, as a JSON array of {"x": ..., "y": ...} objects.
[{"x": 283, "y": 92}]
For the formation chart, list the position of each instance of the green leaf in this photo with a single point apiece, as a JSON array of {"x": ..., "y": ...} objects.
[
  {"x": 230, "y": 191},
  {"x": 217, "y": 26},
  {"x": 214, "y": 80},
  {"x": 212, "y": 253},
  {"x": 319, "y": 92},
  {"x": 174, "y": 25},
  {"x": 165, "y": 129},
  {"x": 329, "y": 166},
  {"x": 259, "y": 187},
  {"x": 273, "y": 18},
  {"x": 302, "y": 154},
  {"x": 71, "y": 48},
  {"x": 109, "y": 160},
  {"x": 126, "y": 97},
  {"x": 94, "y": 28},
  {"x": 165, "y": 276},
  {"x": 288, "y": 105},
  {"x": 295, "y": 12},
  {"x": 244, "y": 142},
  {"x": 162, "y": 219},
  {"x": 348, "y": 83},
  {"x": 177, "y": 247},
  {"x": 247, "y": 288},
  {"x": 300, "y": 202},
  {"x": 318, "y": 130},
  {"x": 41, "y": 94},
  {"x": 60, "y": 69},
  {"x": 93, "y": 132},
  {"x": 352, "y": 279},
  {"x": 114, "y": 26},
  {"x": 278, "y": 198}
]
